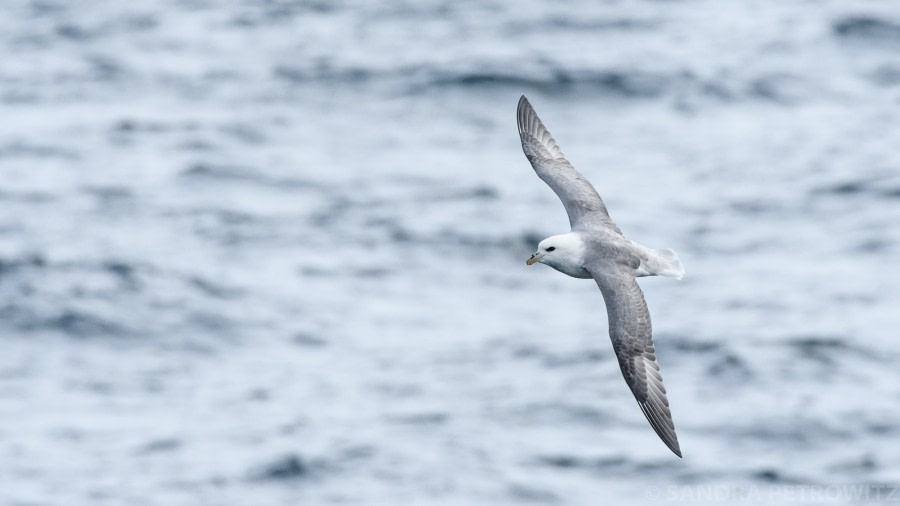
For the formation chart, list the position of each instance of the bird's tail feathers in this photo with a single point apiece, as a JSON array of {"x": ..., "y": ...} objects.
[
  {"x": 660, "y": 262},
  {"x": 669, "y": 265}
]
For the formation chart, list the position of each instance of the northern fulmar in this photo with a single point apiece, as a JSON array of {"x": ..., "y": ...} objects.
[{"x": 596, "y": 249}]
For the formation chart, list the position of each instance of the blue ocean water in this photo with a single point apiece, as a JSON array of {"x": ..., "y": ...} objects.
[{"x": 272, "y": 252}]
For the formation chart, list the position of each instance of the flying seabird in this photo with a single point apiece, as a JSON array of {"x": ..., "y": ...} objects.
[{"x": 596, "y": 249}]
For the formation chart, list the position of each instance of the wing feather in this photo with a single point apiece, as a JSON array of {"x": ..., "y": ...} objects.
[
  {"x": 632, "y": 337},
  {"x": 576, "y": 193}
]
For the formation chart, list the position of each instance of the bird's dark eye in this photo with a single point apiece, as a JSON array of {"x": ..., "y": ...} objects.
[{"x": 551, "y": 248}]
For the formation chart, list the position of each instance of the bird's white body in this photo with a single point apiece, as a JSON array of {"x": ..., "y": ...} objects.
[{"x": 567, "y": 254}]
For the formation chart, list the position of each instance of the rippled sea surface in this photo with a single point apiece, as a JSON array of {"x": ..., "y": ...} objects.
[{"x": 272, "y": 252}]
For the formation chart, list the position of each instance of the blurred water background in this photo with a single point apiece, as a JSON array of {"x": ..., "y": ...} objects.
[{"x": 272, "y": 252}]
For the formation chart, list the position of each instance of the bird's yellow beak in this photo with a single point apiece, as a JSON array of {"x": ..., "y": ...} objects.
[{"x": 534, "y": 259}]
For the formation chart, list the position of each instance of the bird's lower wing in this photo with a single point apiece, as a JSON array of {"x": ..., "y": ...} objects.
[{"x": 632, "y": 339}]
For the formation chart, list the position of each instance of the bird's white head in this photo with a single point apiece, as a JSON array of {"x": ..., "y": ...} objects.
[{"x": 564, "y": 253}]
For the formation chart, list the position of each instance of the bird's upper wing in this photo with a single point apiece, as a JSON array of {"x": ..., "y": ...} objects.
[
  {"x": 577, "y": 194},
  {"x": 632, "y": 339}
]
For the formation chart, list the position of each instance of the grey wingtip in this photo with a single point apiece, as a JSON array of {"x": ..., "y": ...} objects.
[
  {"x": 532, "y": 131},
  {"x": 670, "y": 441},
  {"x": 673, "y": 445},
  {"x": 523, "y": 113},
  {"x": 660, "y": 424}
]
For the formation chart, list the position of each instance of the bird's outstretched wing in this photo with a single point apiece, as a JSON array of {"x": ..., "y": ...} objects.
[
  {"x": 632, "y": 339},
  {"x": 576, "y": 193}
]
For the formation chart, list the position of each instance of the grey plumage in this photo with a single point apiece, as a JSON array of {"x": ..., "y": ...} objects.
[
  {"x": 631, "y": 333},
  {"x": 613, "y": 261},
  {"x": 577, "y": 194}
]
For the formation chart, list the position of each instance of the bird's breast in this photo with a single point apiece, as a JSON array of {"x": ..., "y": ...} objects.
[{"x": 576, "y": 271}]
